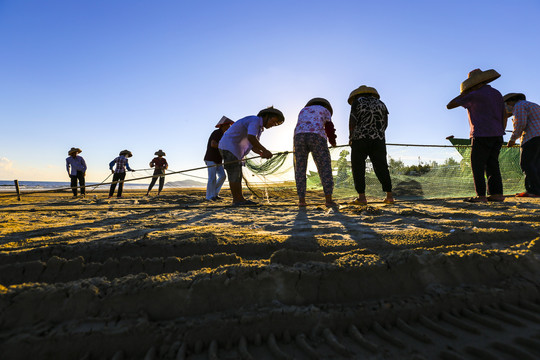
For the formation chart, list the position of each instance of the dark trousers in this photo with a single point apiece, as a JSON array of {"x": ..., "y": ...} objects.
[
  {"x": 74, "y": 178},
  {"x": 154, "y": 179},
  {"x": 530, "y": 165},
  {"x": 117, "y": 177},
  {"x": 376, "y": 150},
  {"x": 485, "y": 162}
]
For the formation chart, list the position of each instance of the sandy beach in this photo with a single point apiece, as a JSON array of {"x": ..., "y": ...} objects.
[{"x": 176, "y": 277}]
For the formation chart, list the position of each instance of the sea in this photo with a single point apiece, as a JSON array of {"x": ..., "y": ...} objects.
[{"x": 9, "y": 185}]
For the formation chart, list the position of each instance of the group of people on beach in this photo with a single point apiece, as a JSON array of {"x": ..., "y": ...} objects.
[
  {"x": 232, "y": 140},
  {"x": 76, "y": 168},
  {"x": 488, "y": 113}
]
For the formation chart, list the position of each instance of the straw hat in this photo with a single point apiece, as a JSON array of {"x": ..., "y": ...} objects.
[
  {"x": 126, "y": 153},
  {"x": 159, "y": 153},
  {"x": 362, "y": 90},
  {"x": 223, "y": 121},
  {"x": 322, "y": 102},
  {"x": 74, "y": 150},
  {"x": 478, "y": 76},
  {"x": 272, "y": 111},
  {"x": 514, "y": 96}
]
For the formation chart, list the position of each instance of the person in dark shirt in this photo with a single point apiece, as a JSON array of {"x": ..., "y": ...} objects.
[
  {"x": 487, "y": 121},
  {"x": 367, "y": 125},
  {"x": 213, "y": 159},
  {"x": 160, "y": 165}
]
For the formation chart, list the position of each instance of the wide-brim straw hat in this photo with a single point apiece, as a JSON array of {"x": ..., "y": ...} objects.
[
  {"x": 478, "y": 76},
  {"x": 224, "y": 121},
  {"x": 126, "y": 153},
  {"x": 159, "y": 153},
  {"x": 362, "y": 90},
  {"x": 514, "y": 96},
  {"x": 321, "y": 101},
  {"x": 272, "y": 111},
  {"x": 74, "y": 150}
]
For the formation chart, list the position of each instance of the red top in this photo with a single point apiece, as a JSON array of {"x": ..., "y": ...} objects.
[{"x": 159, "y": 162}]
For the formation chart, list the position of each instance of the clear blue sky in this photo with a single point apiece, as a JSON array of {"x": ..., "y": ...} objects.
[{"x": 146, "y": 75}]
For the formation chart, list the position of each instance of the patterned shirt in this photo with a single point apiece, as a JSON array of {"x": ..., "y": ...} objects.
[
  {"x": 312, "y": 119},
  {"x": 236, "y": 140},
  {"x": 76, "y": 163},
  {"x": 121, "y": 164},
  {"x": 486, "y": 108},
  {"x": 368, "y": 119},
  {"x": 526, "y": 121}
]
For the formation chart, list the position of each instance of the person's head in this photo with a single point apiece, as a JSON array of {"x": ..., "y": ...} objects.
[
  {"x": 322, "y": 102},
  {"x": 511, "y": 99},
  {"x": 74, "y": 151},
  {"x": 160, "y": 153},
  {"x": 126, "y": 153},
  {"x": 224, "y": 123},
  {"x": 271, "y": 117},
  {"x": 363, "y": 91}
]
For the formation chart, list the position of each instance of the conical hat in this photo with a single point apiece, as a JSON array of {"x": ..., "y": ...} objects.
[
  {"x": 511, "y": 96},
  {"x": 126, "y": 153},
  {"x": 74, "y": 149},
  {"x": 478, "y": 76},
  {"x": 362, "y": 90},
  {"x": 159, "y": 153},
  {"x": 322, "y": 102},
  {"x": 224, "y": 120}
]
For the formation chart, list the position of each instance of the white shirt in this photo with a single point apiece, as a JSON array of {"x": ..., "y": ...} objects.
[{"x": 236, "y": 140}]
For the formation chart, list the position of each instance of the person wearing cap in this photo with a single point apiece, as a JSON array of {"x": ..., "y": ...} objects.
[
  {"x": 241, "y": 138},
  {"x": 160, "y": 165},
  {"x": 213, "y": 159},
  {"x": 487, "y": 121},
  {"x": 313, "y": 129},
  {"x": 368, "y": 121},
  {"x": 119, "y": 173},
  {"x": 76, "y": 169},
  {"x": 527, "y": 128}
]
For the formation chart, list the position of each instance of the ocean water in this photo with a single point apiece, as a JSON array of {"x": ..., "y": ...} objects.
[{"x": 9, "y": 185}]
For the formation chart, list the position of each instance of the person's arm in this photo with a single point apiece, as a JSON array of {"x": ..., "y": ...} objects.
[
  {"x": 352, "y": 124},
  {"x": 152, "y": 163},
  {"x": 67, "y": 166},
  {"x": 111, "y": 164},
  {"x": 258, "y": 148},
  {"x": 214, "y": 144},
  {"x": 166, "y": 165},
  {"x": 84, "y": 166},
  {"x": 330, "y": 131},
  {"x": 520, "y": 123},
  {"x": 127, "y": 166}
]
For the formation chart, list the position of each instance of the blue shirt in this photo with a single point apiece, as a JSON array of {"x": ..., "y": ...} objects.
[
  {"x": 236, "y": 140},
  {"x": 76, "y": 164},
  {"x": 121, "y": 164}
]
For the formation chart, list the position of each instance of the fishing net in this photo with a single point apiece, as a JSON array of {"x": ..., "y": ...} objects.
[{"x": 417, "y": 172}]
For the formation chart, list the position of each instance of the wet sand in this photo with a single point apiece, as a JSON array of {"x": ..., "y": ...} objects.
[{"x": 175, "y": 277}]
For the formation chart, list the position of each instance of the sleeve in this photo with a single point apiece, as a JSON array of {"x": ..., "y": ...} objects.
[
  {"x": 254, "y": 128},
  {"x": 519, "y": 122},
  {"x": 83, "y": 164},
  {"x": 67, "y": 165},
  {"x": 352, "y": 123},
  {"x": 111, "y": 164},
  {"x": 127, "y": 165},
  {"x": 153, "y": 163},
  {"x": 330, "y": 132}
]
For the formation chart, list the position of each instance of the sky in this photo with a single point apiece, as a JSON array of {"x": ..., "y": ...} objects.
[{"x": 106, "y": 75}]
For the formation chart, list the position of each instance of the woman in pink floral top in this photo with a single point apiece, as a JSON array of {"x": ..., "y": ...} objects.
[{"x": 313, "y": 129}]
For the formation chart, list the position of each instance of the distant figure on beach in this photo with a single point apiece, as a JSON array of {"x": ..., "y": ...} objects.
[
  {"x": 159, "y": 164},
  {"x": 313, "y": 129},
  {"x": 242, "y": 137},
  {"x": 213, "y": 159},
  {"x": 367, "y": 125},
  {"x": 527, "y": 127},
  {"x": 119, "y": 173},
  {"x": 76, "y": 168},
  {"x": 487, "y": 121}
]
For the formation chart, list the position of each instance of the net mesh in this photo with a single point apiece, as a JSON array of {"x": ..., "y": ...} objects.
[{"x": 417, "y": 172}]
